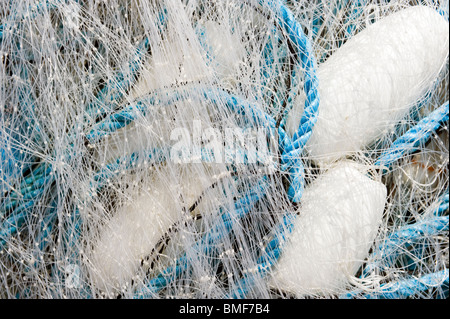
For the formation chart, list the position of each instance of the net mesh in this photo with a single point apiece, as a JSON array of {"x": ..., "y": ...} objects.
[{"x": 159, "y": 149}]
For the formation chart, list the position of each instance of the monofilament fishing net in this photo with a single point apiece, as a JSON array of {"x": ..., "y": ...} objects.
[{"x": 224, "y": 149}]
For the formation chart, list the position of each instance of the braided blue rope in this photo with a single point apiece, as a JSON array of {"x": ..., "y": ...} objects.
[
  {"x": 290, "y": 158},
  {"x": 142, "y": 107},
  {"x": 304, "y": 56},
  {"x": 30, "y": 188},
  {"x": 12, "y": 156},
  {"x": 21, "y": 207},
  {"x": 443, "y": 205},
  {"x": 308, "y": 63},
  {"x": 414, "y": 137},
  {"x": 125, "y": 163},
  {"x": 398, "y": 241},
  {"x": 408, "y": 288}
]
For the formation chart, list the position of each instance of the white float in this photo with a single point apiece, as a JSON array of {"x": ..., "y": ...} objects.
[
  {"x": 137, "y": 225},
  {"x": 373, "y": 80},
  {"x": 338, "y": 220}
]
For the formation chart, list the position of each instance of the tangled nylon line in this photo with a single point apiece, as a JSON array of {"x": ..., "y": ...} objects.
[{"x": 97, "y": 201}]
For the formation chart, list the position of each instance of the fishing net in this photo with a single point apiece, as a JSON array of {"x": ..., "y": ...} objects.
[{"x": 224, "y": 149}]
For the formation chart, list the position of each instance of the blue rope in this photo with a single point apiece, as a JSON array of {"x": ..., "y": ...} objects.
[
  {"x": 304, "y": 56},
  {"x": 414, "y": 137},
  {"x": 408, "y": 288},
  {"x": 141, "y": 107},
  {"x": 443, "y": 205},
  {"x": 400, "y": 240},
  {"x": 291, "y": 153}
]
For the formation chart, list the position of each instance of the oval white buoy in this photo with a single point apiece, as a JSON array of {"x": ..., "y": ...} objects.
[
  {"x": 338, "y": 220},
  {"x": 135, "y": 227},
  {"x": 372, "y": 81}
]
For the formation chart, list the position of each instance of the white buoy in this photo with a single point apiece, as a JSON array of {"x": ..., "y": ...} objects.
[
  {"x": 372, "y": 81},
  {"x": 188, "y": 62},
  {"x": 338, "y": 220},
  {"x": 135, "y": 227}
]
